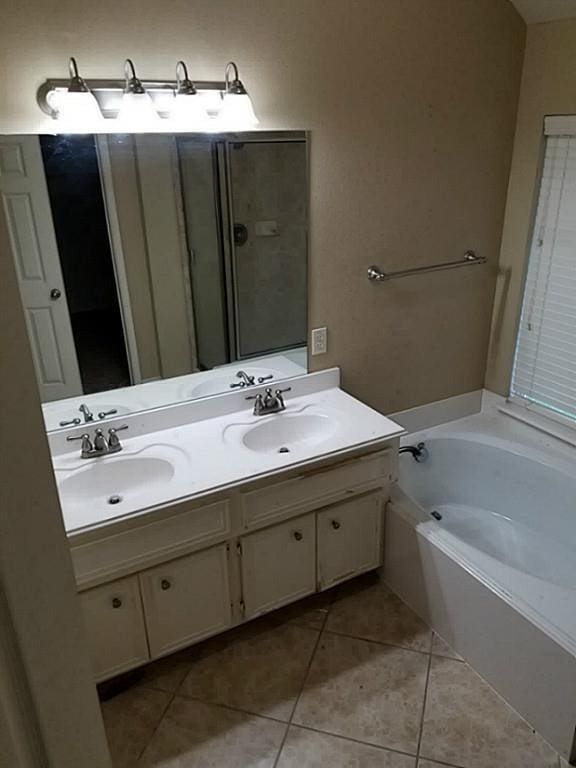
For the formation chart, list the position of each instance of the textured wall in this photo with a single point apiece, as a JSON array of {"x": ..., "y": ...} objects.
[
  {"x": 548, "y": 88},
  {"x": 411, "y": 104}
]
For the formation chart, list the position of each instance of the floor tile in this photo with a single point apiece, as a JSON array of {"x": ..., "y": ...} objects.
[
  {"x": 441, "y": 648},
  {"x": 168, "y": 673},
  {"x": 467, "y": 724},
  {"x": 197, "y": 735},
  {"x": 310, "y": 612},
  {"x": 130, "y": 719},
  {"x": 366, "y": 691},
  {"x": 310, "y": 749},
  {"x": 260, "y": 672},
  {"x": 376, "y": 613}
]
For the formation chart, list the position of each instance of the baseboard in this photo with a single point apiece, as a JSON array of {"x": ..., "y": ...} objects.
[{"x": 439, "y": 412}]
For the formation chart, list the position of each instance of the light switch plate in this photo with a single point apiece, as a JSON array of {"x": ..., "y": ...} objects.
[{"x": 319, "y": 341}]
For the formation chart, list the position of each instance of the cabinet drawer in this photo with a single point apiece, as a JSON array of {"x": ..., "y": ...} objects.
[
  {"x": 278, "y": 565},
  {"x": 349, "y": 538},
  {"x": 134, "y": 549},
  {"x": 186, "y": 600},
  {"x": 115, "y": 627},
  {"x": 313, "y": 489}
]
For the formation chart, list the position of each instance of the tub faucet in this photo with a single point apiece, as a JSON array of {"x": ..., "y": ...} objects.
[{"x": 419, "y": 452}]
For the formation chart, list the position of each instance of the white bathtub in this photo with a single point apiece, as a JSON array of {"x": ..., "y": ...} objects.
[{"x": 496, "y": 573}]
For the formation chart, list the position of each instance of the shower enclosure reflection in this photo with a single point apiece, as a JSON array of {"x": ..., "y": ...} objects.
[{"x": 156, "y": 267}]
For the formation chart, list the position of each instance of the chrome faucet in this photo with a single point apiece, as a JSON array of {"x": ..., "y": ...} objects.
[
  {"x": 245, "y": 380},
  {"x": 87, "y": 413},
  {"x": 102, "y": 445},
  {"x": 269, "y": 402}
]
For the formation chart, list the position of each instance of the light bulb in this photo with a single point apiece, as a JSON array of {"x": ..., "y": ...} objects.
[
  {"x": 237, "y": 112},
  {"x": 76, "y": 107},
  {"x": 137, "y": 111},
  {"x": 187, "y": 110}
]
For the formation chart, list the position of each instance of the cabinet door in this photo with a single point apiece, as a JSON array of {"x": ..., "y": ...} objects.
[
  {"x": 115, "y": 627},
  {"x": 349, "y": 539},
  {"x": 278, "y": 565},
  {"x": 186, "y": 600}
]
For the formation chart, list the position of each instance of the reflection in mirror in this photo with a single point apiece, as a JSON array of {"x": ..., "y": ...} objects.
[{"x": 156, "y": 268}]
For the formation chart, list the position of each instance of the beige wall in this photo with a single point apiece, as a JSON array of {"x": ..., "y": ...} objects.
[
  {"x": 548, "y": 88},
  {"x": 411, "y": 104}
]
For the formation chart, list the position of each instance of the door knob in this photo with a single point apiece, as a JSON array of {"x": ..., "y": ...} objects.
[
  {"x": 55, "y": 294},
  {"x": 335, "y": 524},
  {"x": 298, "y": 535},
  {"x": 165, "y": 584},
  {"x": 116, "y": 602}
]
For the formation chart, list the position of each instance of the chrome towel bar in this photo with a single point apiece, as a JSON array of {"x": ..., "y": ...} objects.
[{"x": 375, "y": 273}]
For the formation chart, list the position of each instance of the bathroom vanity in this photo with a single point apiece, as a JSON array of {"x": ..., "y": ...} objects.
[{"x": 269, "y": 520}]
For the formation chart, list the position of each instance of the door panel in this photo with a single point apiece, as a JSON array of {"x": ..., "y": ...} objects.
[
  {"x": 349, "y": 539},
  {"x": 27, "y": 219},
  {"x": 279, "y": 565},
  {"x": 186, "y": 600}
]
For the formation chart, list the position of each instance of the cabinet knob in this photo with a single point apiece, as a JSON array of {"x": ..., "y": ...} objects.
[
  {"x": 116, "y": 602},
  {"x": 165, "y": 584},
  {"x": 335, "y": 524},
  {"x": 298, "y": 535}
]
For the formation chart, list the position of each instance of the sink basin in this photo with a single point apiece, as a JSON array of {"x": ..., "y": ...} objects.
[
  {"x": 287, "y": 431},
  {"x": 217, "y": 383},
  {"x": 112, "y": 477}
]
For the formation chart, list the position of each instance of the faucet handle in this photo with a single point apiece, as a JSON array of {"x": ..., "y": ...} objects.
[
  {"x": 71, "y": 423},
  {"x": 281, "y": 391},
  {"x": 103, "y": 414},
  {"x": 254, "y": 397},
  {"x": 113, "y": 440},
  {"x": 262, "y": 379},
  {"x": 87, "y": 446}
]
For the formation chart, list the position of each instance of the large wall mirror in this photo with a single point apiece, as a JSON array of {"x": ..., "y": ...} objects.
[{"x": 156, "y": 268}]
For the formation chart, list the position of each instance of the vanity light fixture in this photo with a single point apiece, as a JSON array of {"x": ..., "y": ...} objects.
[
  {"x": 137, "y": 105},
  {"x": 76, "y": 105},
  {"x": 137, "y": 109},
  {"x": 237, "y": 110},
  {"x": 187, "y": 110}
]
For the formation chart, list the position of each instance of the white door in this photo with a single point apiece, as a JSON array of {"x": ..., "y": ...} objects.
[
  {"x": 349, "y": 538},
  {"x": 279, "y": 565},
  {"x": 25, "y": 213},
  {"x": 186, "y": 600}
]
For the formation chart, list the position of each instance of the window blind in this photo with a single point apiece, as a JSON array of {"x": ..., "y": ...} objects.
[{"x": 544, "y": 370}]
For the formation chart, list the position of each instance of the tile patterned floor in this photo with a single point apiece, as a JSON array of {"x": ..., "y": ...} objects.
[{"x": 349, "y": 679}]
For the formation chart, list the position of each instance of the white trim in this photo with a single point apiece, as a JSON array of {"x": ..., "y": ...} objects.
[
  {"x": 105, "y": 167},
  {"x": 439, "y": 412},
  {"x": 540, "y": 418},
  {"x": 560, "y": 125}
]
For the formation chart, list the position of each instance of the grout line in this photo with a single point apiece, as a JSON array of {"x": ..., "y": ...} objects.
[
  {"x": 304, "y": 680},
  {"x": 210, "y": 703},
  {"x": 381, "y": 642},
  {"x": 155, "y": 729},
  {"x": 356, "y": 741},
  {"x": 430, "y": 656}
]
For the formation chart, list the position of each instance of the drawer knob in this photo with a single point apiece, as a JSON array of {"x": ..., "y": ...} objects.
[
  {"x": 298, "y": 535},
  {"x": 335, "y": 524},
  {"x": 165, "y": 584},
  {"x": 116, "y": 602}
]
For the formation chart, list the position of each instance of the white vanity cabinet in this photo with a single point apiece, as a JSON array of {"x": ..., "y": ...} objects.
[
  {"x": 186, "y": 600},
  {"x": 197, "y": 568},
  {"x": 115, "y": 627},
  {"x": 349, "y": 539},
  {"x": 278, "y": 565}
]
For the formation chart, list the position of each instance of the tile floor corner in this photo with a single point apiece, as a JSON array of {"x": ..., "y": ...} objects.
[{"x": 348, "y": 679}]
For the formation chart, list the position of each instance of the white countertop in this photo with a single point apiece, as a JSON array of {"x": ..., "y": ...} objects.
[{"x": 208, "y": 454}]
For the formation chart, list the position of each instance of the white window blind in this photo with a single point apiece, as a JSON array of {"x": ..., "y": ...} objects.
[{"x": 545, "y": 362}]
